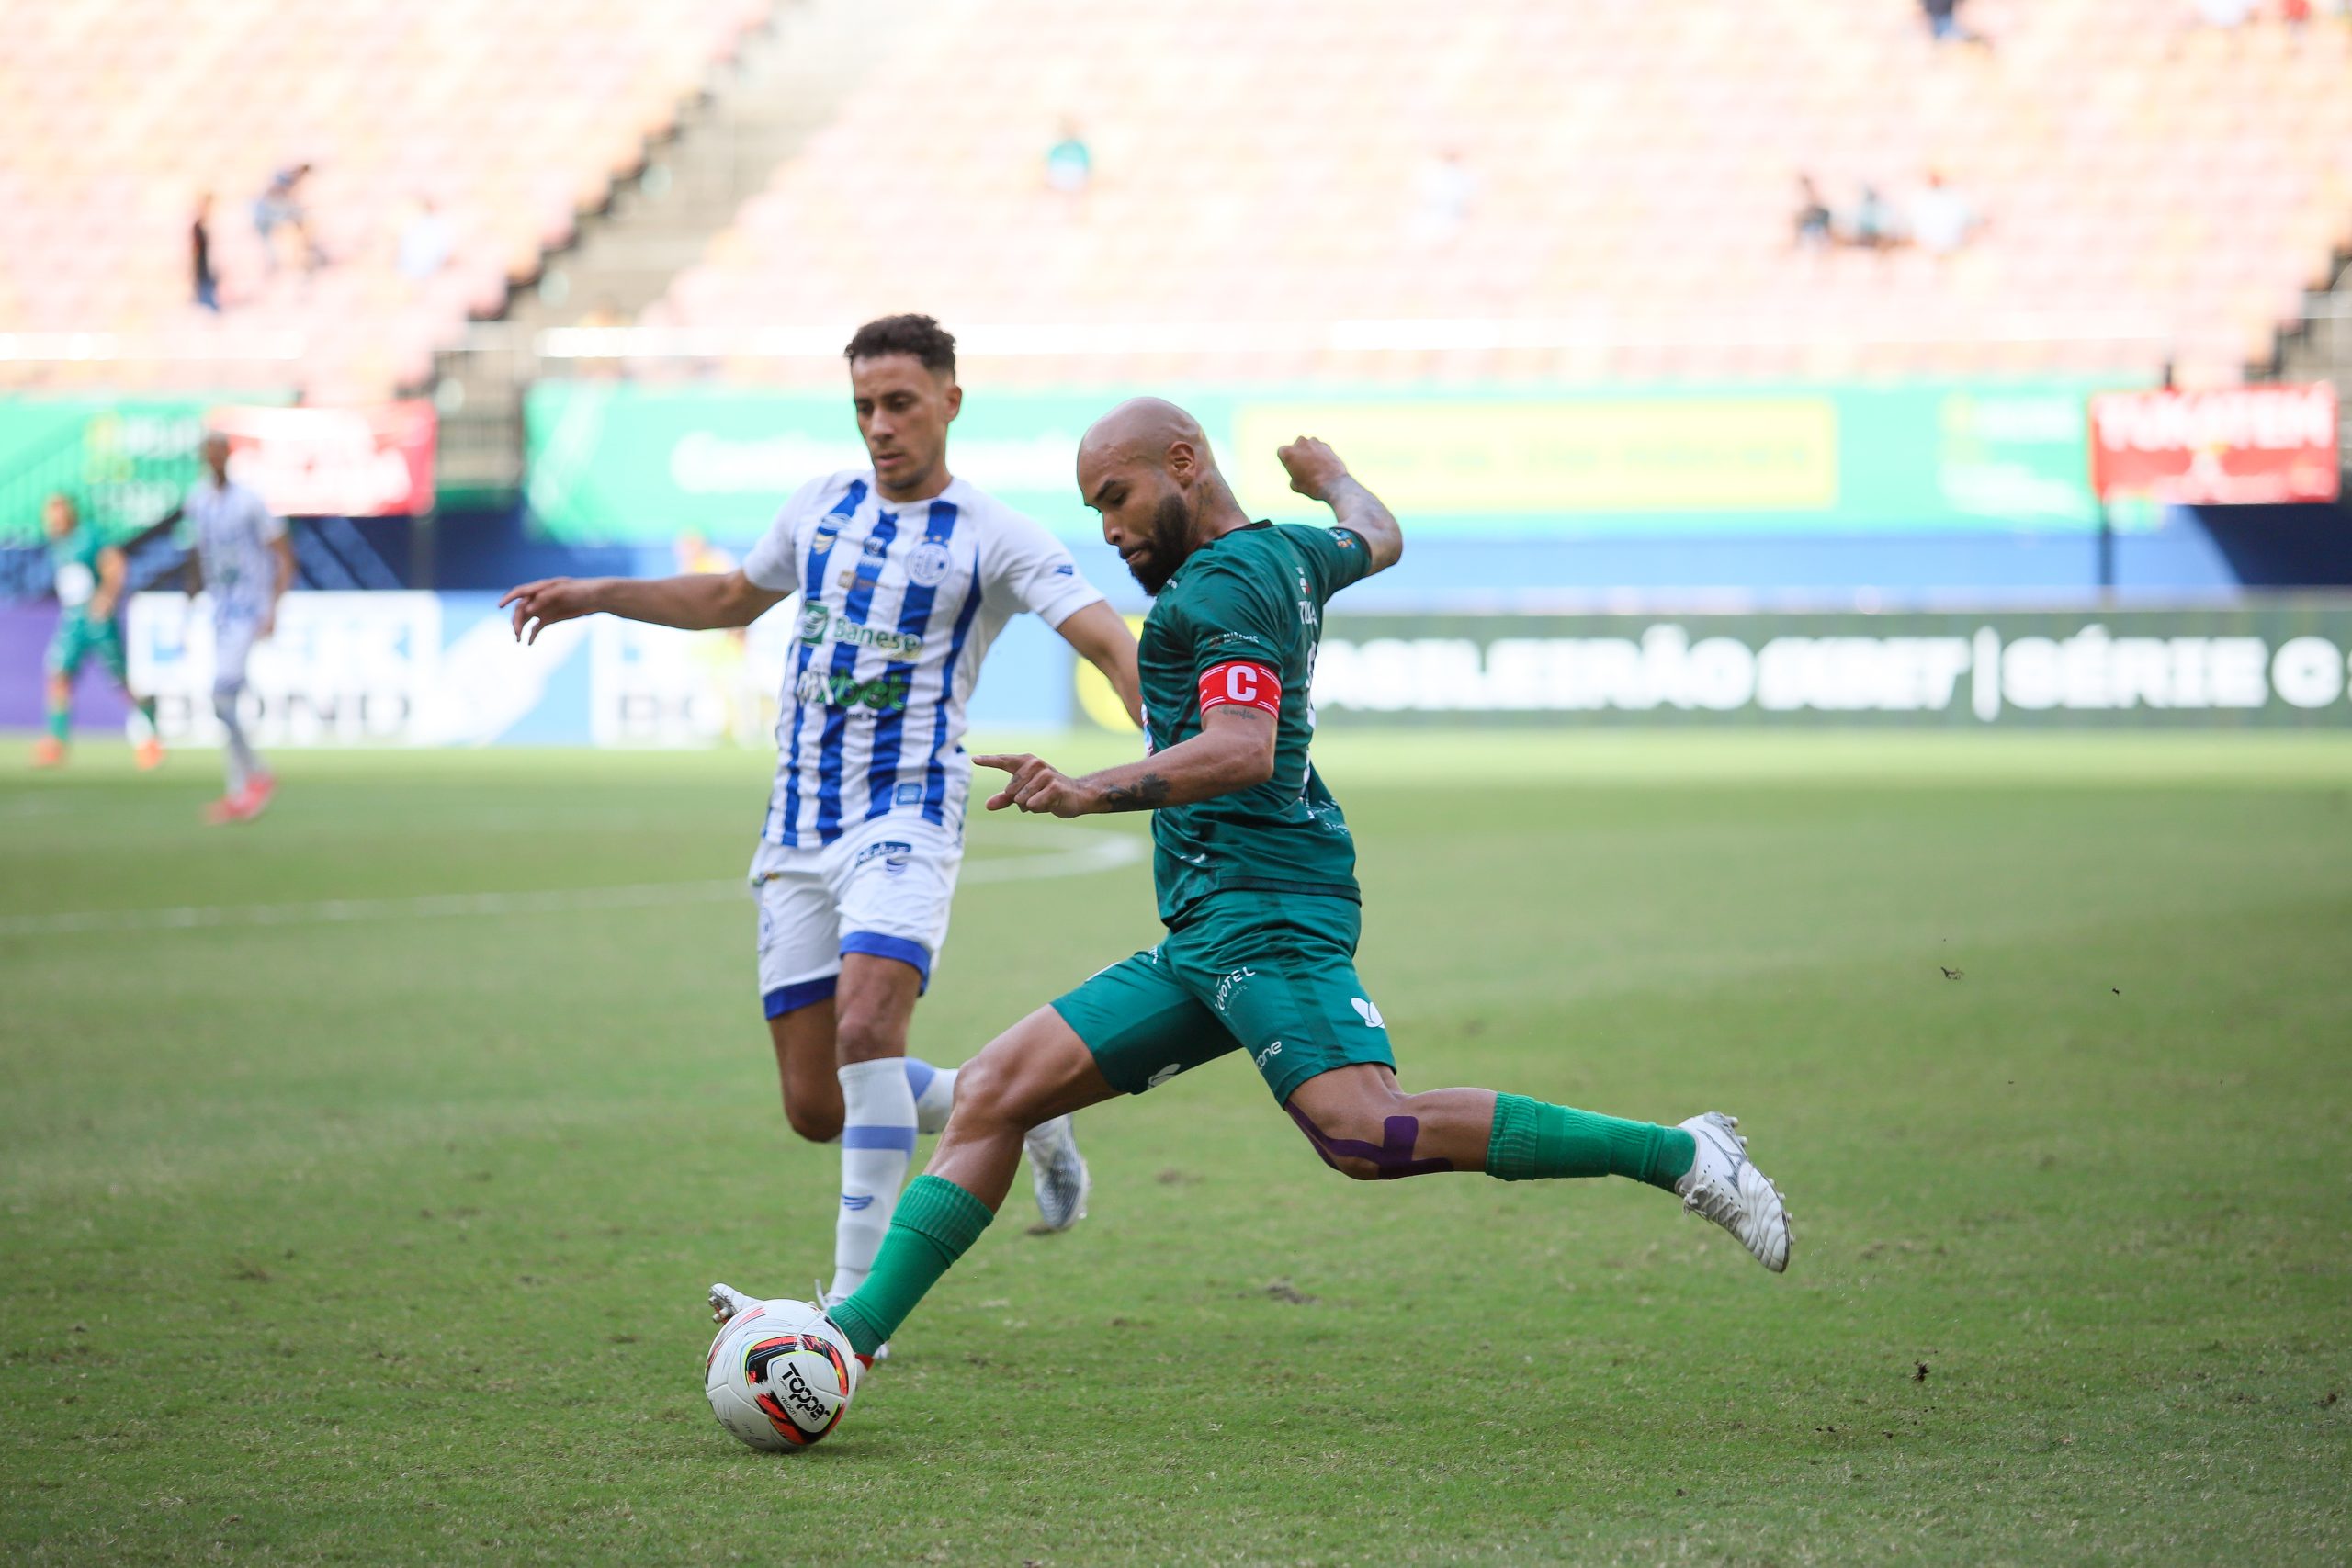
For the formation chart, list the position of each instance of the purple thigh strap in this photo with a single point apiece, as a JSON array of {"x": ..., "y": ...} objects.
[{"x": 1390, "y": 1158}]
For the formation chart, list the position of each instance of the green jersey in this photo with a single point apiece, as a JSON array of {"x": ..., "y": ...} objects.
[
  {"x": 74, "y": 564},
  {"x": 1240, "y": 623}
]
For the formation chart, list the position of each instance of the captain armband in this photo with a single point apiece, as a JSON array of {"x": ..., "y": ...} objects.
[{"x": 1242, "y": 683}]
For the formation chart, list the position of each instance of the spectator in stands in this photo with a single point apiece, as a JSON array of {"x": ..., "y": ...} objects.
[
  {"x": 208, "y": 285},
  {"x": 1812, "y": 216},
  {"x": 425, "y": 242},
  {"x": 279, "y": 206},
  {"x": 1944, "y": 24},
  {"x": 1941, "y": 218},
  {"x": 1069, "y": 165},
  {"x": 1875, "y": 227}
]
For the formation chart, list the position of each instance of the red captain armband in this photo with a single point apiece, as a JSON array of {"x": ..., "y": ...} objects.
[{"x": 1246, "y": 684}]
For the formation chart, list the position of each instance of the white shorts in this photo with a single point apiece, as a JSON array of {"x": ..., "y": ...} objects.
[
  {"x": 232, "y": 644},
  {"x": 883, "y": 888}
]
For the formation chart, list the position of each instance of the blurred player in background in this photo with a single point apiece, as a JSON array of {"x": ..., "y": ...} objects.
[
  {"x": 906, "y": 575},
  {"x": 89, "y": 575},
  {"x": 243, "y": 559},
  {"x": 1255, "y": 869}
]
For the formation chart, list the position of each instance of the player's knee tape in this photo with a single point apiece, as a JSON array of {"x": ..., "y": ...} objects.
[{"x": 1390, "y": 1158}]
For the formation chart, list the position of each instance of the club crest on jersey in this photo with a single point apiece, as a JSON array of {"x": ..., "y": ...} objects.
[{"x": 928, "y": 564}]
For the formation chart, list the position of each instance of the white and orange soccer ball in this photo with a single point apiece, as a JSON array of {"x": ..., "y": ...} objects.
[{"x": 779, "y": 1376}]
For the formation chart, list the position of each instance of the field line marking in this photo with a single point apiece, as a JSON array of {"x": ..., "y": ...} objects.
[{"x": 1100, "y": 851}]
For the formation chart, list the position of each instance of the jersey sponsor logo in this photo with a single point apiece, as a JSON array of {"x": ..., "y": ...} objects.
[
  {"x": 875, "y": 547},
  {"x": 1343, "y": 539},
  {"x": 928, "y": 564},
  {"x": 1269, "y": 1053},
  {"x": 903, "y": 644},
  {"x": 907, "y": 793},
  {"x": 1366, "y": 1011},
  {"x": 1228, "y": 984},
  {"x": 890, "y": 852},
  {"x": 886, "y": 693},
  {"x": 1243, "y": 684},
  {"x": 818, "y": 625}
]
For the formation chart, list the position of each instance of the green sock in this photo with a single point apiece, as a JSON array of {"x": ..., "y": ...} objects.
[
  {"x": 1532, "y": 1140},
  {"x": 60, "y": 720},
  {"x": 935, "y": 1222}
]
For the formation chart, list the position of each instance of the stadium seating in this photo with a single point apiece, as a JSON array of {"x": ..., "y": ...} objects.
[
  {"x": 2152, "y": 189},
  {"x": 117, "y": 113}
]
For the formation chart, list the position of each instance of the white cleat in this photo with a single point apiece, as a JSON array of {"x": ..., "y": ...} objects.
[
  {"x": 726, "y": 1300},
  {"x": 1059, "y": 1173},
  {"x": 1724, "y": 1185}
]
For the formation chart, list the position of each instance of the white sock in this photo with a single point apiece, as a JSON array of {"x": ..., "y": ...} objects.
[
  {"x": 877, "y": 1141},
  {"x": 935, "y": 1092},
  {"x": 236, "y": 752}
]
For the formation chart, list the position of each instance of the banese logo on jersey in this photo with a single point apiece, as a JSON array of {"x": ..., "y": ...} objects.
[{"x": 820, "y": 624}]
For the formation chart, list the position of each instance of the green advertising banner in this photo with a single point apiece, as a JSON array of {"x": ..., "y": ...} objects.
[
  {"x": 128, "y": 461},
  {"x": 2282, "y": 663},
  {"x": 613, "y": 462}
]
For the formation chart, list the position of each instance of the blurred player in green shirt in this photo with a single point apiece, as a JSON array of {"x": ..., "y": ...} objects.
[{"x": 89, "y": 577}]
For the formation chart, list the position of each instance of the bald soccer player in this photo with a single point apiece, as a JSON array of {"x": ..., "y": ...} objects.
[{"x": 1255, "y": 872}]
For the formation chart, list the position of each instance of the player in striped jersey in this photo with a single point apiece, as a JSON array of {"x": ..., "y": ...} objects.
[{"x": 906, "y": 574}]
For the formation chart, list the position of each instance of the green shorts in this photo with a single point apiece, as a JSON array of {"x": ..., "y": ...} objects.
[
  {"x": 78, "y": 638},
  {"x": 1271, "y": 974}
]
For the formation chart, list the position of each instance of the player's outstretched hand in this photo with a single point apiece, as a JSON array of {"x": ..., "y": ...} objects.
[
  {"x": 538, "y": 605},
  {"x": 1313, "y": 467},
  {"x": 1037, "y": 785}
]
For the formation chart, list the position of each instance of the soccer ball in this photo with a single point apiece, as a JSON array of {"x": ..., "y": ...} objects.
[{"x": 779, "y": 1376}]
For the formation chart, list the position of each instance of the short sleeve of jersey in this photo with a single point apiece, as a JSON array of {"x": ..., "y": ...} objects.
[
  {"x": 1338, "y": 557},
  {"x": 268, "y": 526},
  {"x": 774, "y": 562},
  {"x": 1036, "y": 571}
]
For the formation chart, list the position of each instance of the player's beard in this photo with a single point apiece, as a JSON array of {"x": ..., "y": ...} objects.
[{"x": 1172, "y": 524}]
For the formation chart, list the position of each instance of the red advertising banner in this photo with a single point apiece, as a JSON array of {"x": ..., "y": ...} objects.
[
  {"x": 2241, "y": 445},
  {"x": 366, "y": 462}
]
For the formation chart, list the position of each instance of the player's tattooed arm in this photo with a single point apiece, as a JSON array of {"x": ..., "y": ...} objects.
[
  {"x": 1234, "y": 750},
  {"x": 1316, "y": 470},
  {"x": 1144, "y": 794}
]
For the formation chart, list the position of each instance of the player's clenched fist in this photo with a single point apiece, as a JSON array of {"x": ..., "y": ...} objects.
[
  {"x": 1037, "y": 785},
  {"x": 540, "y": 605},
  {"x": 1313, "y": 467}
]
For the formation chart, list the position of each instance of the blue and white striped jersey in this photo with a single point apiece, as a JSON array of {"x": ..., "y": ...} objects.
[
  {"x": 899, "y": 605},
  {"x": 231, "y": 529}
]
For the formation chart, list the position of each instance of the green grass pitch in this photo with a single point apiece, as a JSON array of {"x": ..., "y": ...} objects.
[{"x": 364, "y": 1222}]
